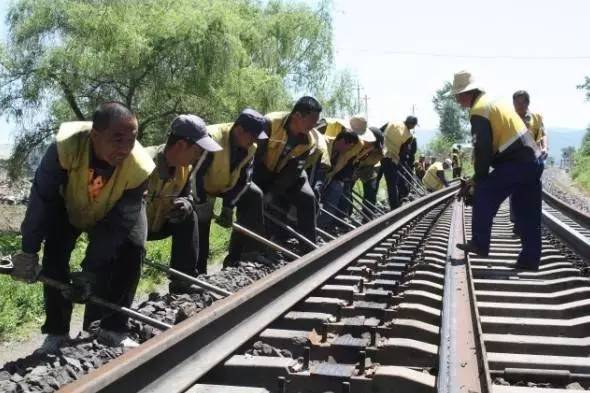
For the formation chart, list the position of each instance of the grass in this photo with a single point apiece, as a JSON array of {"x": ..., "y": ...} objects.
[
  {"x": 21, "y": 305},
  {"x": 581, "y": 172}
]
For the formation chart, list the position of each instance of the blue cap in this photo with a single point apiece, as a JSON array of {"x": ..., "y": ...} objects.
[
  {"x": 253, "y": 122},
  {"x": 194, "y": 128}
]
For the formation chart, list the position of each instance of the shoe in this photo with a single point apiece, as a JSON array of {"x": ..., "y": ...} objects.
[
  {"x": 526, "y": 267},
  {"x": 472, "y": 248},
  {"x": 52, "y": 343},
  {"x": 116, "y": 339},
  {"x": 179, "y": 287}
]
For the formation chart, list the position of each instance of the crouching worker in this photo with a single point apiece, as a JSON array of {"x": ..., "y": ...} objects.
[
  {"x": 91, "y": 179},
  {"x": 169, "y": 203},
  {"x": 435, "y": 179},
  {"x": 279, "y": 163},
  {"x": 227, "y": 174}
]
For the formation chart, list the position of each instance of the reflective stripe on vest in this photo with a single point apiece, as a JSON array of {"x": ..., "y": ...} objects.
[
  {"x": 218, "y": 178},
  {"x": 319, "y": 154},
  {"x": 277, "y": 140},
  {"x": 161, "y": 193},
  {"x": 73, "y": 149}
]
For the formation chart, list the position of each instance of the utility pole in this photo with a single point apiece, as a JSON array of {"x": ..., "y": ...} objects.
[
  {"x": 358, "y": 97},
  {"x": 413, "y": 109},
  {"x": 366, "y": 107}
]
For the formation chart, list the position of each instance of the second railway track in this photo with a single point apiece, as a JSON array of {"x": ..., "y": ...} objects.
[{"x": 389, "y": 307}]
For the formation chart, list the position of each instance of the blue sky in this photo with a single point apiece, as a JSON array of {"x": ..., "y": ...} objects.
[{"x": 402, "y": 51}]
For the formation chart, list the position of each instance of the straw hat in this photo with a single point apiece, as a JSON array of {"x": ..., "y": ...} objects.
[
  {"x": 358, "y": 125},
  {"x": 464, "y": 81}
]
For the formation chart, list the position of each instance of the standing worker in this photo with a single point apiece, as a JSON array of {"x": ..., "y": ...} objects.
[
  {"x": 501, "y": 140},
  {"x": 228, "y": 174},
  {"x": 91, "y": 179},
  {"x": 169, "y": 203},
  {"x": 434, "y": 179},
  {"x": 420, "y": 167},
  {"x": 279, "y": 162},
  {"x": 533, "y": 121},
  {"x": 400, "y": 148}
]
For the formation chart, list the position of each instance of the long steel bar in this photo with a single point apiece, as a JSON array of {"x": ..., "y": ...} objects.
[
  {"x": 414, "y": 178},
  {"x": 264, "y": 241},
  {"x": 187, "y": 278},
  {"x": 283, "y": 212},
  {"x": 341, "y": 221},
  {"x": 368, "y": 203},
  {"x": 290, "y": 230},
  {"x": 173, "y": 361},
  {"x": 339, "y": 211},
  {"x": 358, "y": 210}
]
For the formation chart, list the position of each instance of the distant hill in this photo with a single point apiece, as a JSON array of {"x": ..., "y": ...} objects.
[{"x": 559, "y": 138}]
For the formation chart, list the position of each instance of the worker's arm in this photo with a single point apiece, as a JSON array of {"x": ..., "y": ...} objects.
[
  {"x": 289, "y": 175},
  {"x": 44, "y": 200},
  {"x": 198, "y": 186},
  {"x": 232, "y": 196},
  {"x": 481, "y": 131},
  {"x": 125, "y": 221}
]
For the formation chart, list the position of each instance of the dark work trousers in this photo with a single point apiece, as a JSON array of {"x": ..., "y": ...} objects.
[
  {"x": 344, "y": 203},
  {"x": 185, "y": 243},
  {"x": 370, "y": 188},
  {"x": 512, "y": 213},
  {"x": 250, "y": 214},
  {"x": 331, "y": 199},
  {"x": 522, "y": 181},
  {"x": 457, "y": 172},
  {"x": 304, "y": 201},
  {"x": 392, "y": 178},
  {"x": 116, "y": 283}
]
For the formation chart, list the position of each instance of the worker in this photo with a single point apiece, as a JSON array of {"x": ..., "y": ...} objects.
[
  {"x": 420, "y": 167},
  {"x": 400, "y": 149},
  {"x": 91, "y": 179},
  {"x": 534, "y": 123},
  {"x": 170, "y": 209},
  {"x": 457, "y": 161},
  {"x": 227, "y": 174},
  {"x": 318, "y": 161},
  {"x": 279, "y": 162},
  {"x": 501, "y": 140},
  {"x": 434, "y": 179},
  {"x": 367, "y": 167}
]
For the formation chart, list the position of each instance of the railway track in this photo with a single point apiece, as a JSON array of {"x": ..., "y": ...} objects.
[{"x": 392, "y": 306}]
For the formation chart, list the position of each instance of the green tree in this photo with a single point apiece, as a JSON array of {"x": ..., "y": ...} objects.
[
  {"x": 160, "y": 57},
  {"x": 338, "y": 96},
  {"x": 454, "y": 120}
]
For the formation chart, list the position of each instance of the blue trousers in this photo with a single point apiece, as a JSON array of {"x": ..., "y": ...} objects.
[{"x": 522, "y": 181}]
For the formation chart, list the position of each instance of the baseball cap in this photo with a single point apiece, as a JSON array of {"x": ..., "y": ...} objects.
[
  {"x": 194, "y": 128},
  {"x": 412, "y": 120},
  {"x": 253, "y": 122}
]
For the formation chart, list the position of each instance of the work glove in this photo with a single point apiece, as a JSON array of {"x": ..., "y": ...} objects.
[
  {"x": 544, "y": 155},
  {"x": 82, "y": 287},
  {"x": 226, "y": 217},
  {"x": 466, "y": 191},
  {"x": 25, "y": 267},
  {"x": 182, "y": 208}
]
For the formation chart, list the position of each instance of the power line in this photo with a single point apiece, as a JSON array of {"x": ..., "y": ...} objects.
[{"x": 463, "y": 56}]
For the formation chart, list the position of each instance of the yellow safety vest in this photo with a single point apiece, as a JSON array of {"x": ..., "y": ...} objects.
[
  {"x": 507, "y": 126},
  {"x": 342, "y": 159},
  {"x": 458, "y": 159},
  {"x": 431, "y": 180},
  {"x": 218, "y": 178},
  {"x": 536, "y": 126},
  {"x": 396, "y": 134},
  {"x": 161, "y": 193},
  {"x": 73, "y": 150},
  {"x": 277, "y": 140},
  {"x": 319, "y": 153},
  {"x": 368, "y": 163}
]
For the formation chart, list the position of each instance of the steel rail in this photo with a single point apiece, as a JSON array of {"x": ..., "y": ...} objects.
[
  {"x": 565, "y": 208},
  {"x": 176, "y": 359},
  {"x": 570, "y": 236}
]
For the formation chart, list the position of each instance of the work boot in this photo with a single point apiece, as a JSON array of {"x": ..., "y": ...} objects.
[
  {"x": 472, "y": 248},
  {"x": 179, "y": 287},
  {"x": 116, "y": 339},
  {"x": 52, "y": 343}
]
